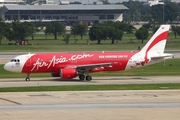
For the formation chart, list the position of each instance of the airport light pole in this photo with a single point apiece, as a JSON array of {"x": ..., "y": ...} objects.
[{"x": 163, "y": 10}]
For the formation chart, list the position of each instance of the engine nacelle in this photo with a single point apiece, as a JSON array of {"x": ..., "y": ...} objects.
[{"x": 65, "y": 73}]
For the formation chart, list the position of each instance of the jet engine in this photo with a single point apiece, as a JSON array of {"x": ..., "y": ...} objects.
[{"x": 65, "y": 73}]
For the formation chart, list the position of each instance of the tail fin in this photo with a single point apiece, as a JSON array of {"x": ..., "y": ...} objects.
[{"x": 158, "y": 40}]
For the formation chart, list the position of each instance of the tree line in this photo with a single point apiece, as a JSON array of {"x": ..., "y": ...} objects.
[
  {"x": 20, "y": 31},
  {"x": 161, "y": 13},
  {"x": 113, "y": 31},
  {"x": 141, "y": 11}
]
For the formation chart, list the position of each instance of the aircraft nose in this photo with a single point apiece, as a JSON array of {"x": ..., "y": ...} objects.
[
  {"x": 12, "y": 67},
  {"x": 7, "y": 67}
]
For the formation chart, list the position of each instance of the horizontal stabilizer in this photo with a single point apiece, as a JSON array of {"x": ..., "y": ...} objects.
[{"x": 164, "y": 55}]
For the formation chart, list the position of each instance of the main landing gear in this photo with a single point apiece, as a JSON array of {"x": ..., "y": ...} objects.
[{"x": 82, "y": 77}]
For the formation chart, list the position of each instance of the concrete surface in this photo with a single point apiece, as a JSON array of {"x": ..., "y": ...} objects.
[
  {"x": 20, "y": 82},
  {"x": 91, "y": 105}
]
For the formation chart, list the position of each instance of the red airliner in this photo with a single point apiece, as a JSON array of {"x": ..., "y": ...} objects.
[{"x": 67, "y": 65}]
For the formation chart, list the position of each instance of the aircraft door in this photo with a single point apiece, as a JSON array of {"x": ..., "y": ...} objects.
[{"x": 28, "y": 61}]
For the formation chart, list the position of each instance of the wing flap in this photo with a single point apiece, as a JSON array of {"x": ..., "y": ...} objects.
[{"x": 92, "y": 66}]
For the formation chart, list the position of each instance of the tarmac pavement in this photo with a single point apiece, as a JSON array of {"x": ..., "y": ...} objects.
[{"x": 91, "y": 105}]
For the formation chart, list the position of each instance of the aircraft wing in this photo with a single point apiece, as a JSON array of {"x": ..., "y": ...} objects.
[
  {"x": 93, "y": 65},
  {"x": 85, "y": 68}
]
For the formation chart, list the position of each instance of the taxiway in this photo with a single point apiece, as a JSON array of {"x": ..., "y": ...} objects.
[
  {"x": 91, "y": 105},
  {"x": 20, "y": 82}
]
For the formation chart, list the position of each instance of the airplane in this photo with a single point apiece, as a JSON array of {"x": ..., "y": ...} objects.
[{"x": 68, "y": 65}]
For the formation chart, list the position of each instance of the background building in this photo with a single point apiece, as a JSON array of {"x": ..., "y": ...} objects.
[
  {"x": 64, "y": 13},
  {"x": 153, "y": 2},
  {"x": 4, "y": 2}
]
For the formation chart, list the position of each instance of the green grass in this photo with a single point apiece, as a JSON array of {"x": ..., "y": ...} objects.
[
  {"x": 172, "y": 67},
  {"x": 40, "y": 44},
  {"x": 93, "y": 87}
]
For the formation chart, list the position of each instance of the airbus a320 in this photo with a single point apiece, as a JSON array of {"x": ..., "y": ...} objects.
[{"x": 68, "y": 65}]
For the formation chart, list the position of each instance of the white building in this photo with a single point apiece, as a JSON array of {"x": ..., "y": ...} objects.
[
  {"x": 2, "y": 2},
  {"x": 153, "y": 2}
]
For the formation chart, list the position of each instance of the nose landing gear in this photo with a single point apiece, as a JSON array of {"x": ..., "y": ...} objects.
[{"x": 28, "y": 78}]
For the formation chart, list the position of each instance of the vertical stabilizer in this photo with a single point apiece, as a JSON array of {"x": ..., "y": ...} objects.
[{"x": 158, "y": 40}]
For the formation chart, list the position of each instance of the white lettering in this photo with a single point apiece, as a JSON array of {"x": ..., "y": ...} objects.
[
  {"x": 55, "y": 61},
  {"x": 42, "y": 63},
  {"x": 77, "y": 57},
  {"x": 39, "y": 63}
]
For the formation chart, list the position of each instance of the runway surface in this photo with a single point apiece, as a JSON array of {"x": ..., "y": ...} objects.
[
  {"x": 91, "y": 105},
  {"x": 20, "y": 82}
]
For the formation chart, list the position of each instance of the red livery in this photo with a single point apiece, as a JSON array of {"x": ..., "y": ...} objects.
[{"x": 67, "y": 65}]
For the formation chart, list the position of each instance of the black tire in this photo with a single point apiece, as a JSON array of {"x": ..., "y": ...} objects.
[
  {"x": 88, "y": 78},
  {"x": 81, "y": 77},
  {"x": 27, "y": 79}
]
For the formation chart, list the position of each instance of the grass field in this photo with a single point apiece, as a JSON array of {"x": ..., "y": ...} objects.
[
  {"x": 40, "y": 44},
  {"x": 92, "y": 87}
]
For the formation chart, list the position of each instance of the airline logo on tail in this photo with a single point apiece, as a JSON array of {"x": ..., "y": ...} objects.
[
  {"x": 158, "y": 40},
  {"x": 72, "y": 64},
  {"x": 158, "y": 43}
]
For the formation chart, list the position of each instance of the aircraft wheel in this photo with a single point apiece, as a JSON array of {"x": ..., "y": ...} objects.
[
  {"x": 27, "y": 79},
  {"x": 88, "y": 78},
  {"x": 81, "y": 77}
]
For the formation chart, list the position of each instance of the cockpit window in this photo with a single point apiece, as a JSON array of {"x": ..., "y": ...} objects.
[
  {"x": 15, "y": 60},
  {"x": 12, "y": 60}
]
